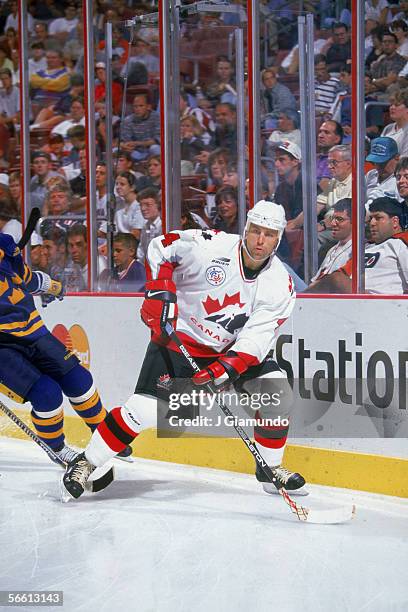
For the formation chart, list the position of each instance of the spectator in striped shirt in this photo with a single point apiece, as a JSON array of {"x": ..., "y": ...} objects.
[{"x": 326, "y": 87}]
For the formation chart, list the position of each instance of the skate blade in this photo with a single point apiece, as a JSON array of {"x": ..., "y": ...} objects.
[
  {"x": 126, "y": 459},
  {"x": 270, "y": 488},
  {"x": 65, "y": 495}
]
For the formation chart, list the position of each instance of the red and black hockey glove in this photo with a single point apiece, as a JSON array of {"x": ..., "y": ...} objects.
[
  {"x": 223, "y": 372},
  {"x": 160, "y": 305}
]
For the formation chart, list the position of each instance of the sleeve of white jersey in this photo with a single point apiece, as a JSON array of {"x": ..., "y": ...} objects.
[
  {"x": 171, "y": 250},
  {"x": 273, "y": 304}
]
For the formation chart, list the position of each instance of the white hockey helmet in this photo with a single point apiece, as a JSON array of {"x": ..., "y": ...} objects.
[{"x": 266, "y": 214}]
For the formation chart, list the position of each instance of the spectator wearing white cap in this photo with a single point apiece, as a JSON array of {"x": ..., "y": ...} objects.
[{"x": 288, "y": 167}]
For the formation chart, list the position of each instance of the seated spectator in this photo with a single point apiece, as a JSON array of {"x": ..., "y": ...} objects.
[
  {"x": 141, "y": 54},
  {"x": 74, "y": 143},
  {"x": 276, "y": 98},
  {"x": 100, "y": 88},
  {"x": 51, "y": 83},
  {"x": 120, "y": 46},
  {"x": 375, "y": 51},
  {"x": 61, "y": 27},
  {"x": 340, "y": 110},
  {"x": 124, "y": 162},
  {"x": 340, "y": 253},
  {"x": 77, "y": 240},
  {"x": 76, "y": 117},
  {"x": 191, "y": 142},
  {"x": 399, "y": 27},
  {"x": 223, "y": 89},
  {"x": 231, "y": 176},
  {"x": 398, "y": 130},
  {"x": 101, "y": 193},
  {"x": 9, "y": 221},
  {"x": 401, "y": 177},
  {"x": 73, "y": 50},
  {"x": 128, "y": 275},
  {"x": 55, "y": 149},
  {"x": 129, "y": 218},
  {"x": 226, "y": 127},
  {"x": 381, "y": 180},
  {"x": 340, "y": 51},
  {"x": 37, "y": 61},
  {"x": 41, "y": 163},
  {"x": 326, "y": 86},
  {"x": 9, "y": 102},
  {"x": 330, "y": 134},
  {"x": 38, "y": 258},
  {"x": 216, "y": 168},
  {"x": 205, "y": 120},
  {"x": 55, "y": 113},
  {"x": 58, "y": 206},
  {"x": 5, "y": 61},
  {"x": 100, "y": 128},
  {"x": 288, "y": 193},
  {"x": 78, "y": 183},
  {"x": 384, "y": 72},
  {"x": 288, "y": 128},
  {"x": 140, "y": 131},
  {"x": 153, "y": 177},
  {"x": 41, "y": 36},
  {"x": 226, "y": 202},
  {"x": 15, "y": 190},
  {"x": 339, "y": 187},
  {"x": 386, "y": 259},
  {"x": 150, "y": 207}
]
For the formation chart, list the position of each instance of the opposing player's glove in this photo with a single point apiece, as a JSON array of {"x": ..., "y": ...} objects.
[
  {"x": 54, "y": 292},
  {"x": 160, "y": 305},
  {"x": 223, "y": 372}
]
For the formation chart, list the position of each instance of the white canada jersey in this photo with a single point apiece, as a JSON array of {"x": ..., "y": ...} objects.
[
  {"x": 219, "y": 308},
  {"x": 386, "y": 266}
]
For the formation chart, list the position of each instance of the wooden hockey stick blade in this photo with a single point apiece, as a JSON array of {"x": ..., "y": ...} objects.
[
  {"x": 320, "y": 516},
  {"x": 30, "y": 227}
]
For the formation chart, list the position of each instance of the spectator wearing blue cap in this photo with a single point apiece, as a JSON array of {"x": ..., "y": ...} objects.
[{"x": 381, "y": 180}]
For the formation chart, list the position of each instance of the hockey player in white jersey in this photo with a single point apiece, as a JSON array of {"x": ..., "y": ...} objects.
[{"x": 226, "y": 296}]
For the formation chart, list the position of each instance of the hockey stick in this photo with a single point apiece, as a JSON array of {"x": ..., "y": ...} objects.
[
  {"x": 311, "y": 515},
  {"x": 94, "y": 486},
  {"x": 30, "y": 227}
]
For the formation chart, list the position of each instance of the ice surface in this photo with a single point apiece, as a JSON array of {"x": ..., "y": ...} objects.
[{"x": 169, "y": 538}]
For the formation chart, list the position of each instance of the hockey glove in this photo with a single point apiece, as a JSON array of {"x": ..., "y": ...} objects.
[
  {"x": 160, "y": 305},
  {"x": 54, "y": 291},
  {"x": 223, "y": 372}
]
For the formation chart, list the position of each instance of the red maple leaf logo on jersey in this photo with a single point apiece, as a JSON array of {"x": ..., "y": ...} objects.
[{"x": 211, "y": 305}]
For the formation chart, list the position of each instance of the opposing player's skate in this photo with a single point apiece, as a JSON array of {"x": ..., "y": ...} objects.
[
  {"x": 292, "y": 481},
  {"x": 66, "y": 454},
  {"x": 126, "y": 454},
  {"x": 76, "y": 475}
]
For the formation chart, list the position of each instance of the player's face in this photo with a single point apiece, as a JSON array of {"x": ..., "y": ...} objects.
[
  {"x": 122, "y": 255},
  {"x": 382, "y": 226},
  {"x": 261, "y": 242}
]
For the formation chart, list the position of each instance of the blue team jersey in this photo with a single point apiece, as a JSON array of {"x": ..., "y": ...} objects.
[{"x": 18, "y": 315}]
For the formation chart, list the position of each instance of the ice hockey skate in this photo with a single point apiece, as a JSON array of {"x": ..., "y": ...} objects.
[
  {"x": 126, "y": 455},
  {"x": 292, "y": 481},
  {"x": 76, "y": 475},
  {"x": 66, "y": 454}
]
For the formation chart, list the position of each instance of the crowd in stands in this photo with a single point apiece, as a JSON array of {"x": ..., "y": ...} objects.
[{"x": 208, "y": 128}]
